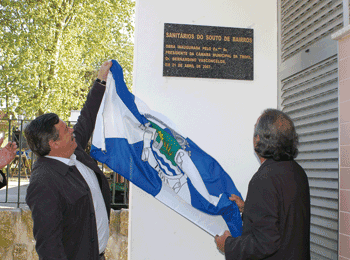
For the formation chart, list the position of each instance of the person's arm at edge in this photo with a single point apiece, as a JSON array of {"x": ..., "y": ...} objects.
[
  {"x": 3, "y": 181},
  {"x": 7, "y": 154}
]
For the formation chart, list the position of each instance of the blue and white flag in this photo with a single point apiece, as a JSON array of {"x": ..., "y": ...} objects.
[{"x": 145, "y": 147}]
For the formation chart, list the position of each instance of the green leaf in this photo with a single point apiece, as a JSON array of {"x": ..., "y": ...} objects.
[{"x": 51, "y": 51}]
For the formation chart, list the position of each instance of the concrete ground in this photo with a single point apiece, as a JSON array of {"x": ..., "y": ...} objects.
[{"x": 12, "y": 196}]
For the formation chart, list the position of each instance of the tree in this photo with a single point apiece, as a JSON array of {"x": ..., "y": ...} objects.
[{"x": 51, "y": 50}]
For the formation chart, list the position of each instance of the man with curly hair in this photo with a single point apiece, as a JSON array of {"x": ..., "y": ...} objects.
[{"x": 276, "y": 213}]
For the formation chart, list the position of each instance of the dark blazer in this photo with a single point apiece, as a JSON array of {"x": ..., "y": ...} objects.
[
  {"x": 3, "y": 182},
  {"x": 60, "y": 200},
  {"x": 276, "y": 219}
]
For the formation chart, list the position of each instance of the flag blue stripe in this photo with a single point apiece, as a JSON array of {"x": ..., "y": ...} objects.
[
  {"x": 215, "y": 178},
  {"x": 228, "y": 210},
  {"x": 124, "y": 159}
]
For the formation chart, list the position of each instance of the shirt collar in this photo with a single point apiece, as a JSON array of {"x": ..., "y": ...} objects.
[{"x": 68, "y": 161}]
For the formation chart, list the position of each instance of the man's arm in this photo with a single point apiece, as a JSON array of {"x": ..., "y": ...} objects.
[
  {"x": 7, "y": 154},
  {"x": 86, "y": 121},
  {"x": 264, "y": 238},
  {"x": 47, "y": 210}
]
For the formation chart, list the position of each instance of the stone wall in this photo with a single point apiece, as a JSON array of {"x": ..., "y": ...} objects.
[
  {"x": 17, "y": 242},
  {"x": 117, "y": 247}
]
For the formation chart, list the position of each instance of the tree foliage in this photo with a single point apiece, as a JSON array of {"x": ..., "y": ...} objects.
[{"x": 50, "y": 51}]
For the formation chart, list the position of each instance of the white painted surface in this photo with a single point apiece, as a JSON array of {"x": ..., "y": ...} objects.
[{"x": 219, "y": 115}]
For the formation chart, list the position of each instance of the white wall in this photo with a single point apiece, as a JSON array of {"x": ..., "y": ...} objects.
[{"x": 218, "y": 114}]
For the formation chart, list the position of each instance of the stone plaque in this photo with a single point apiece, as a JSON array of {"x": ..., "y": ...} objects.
[{"x": 208, "y": 52}]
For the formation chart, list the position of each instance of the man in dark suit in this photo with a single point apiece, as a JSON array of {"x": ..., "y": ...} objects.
[
  {"x": 68, "y": 194},
  {"x": 7, "y": 154},
  {"x": 276, "y": 213}
]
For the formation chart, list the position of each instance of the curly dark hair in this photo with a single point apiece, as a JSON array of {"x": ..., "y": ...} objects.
[
  {"x": 40, "y": 131},
  {"x": 278, "y": 139}
]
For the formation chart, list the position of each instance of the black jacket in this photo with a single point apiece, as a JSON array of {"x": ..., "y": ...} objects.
[
  {"x": 276, "y": 219},
  {"x": 3, "y": 181},
  {"x": 60, "y": 200}
]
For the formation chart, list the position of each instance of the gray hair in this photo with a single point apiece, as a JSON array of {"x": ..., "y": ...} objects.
[{"x": 278, "y": 139}]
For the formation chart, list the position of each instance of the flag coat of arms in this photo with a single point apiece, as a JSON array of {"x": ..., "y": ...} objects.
[{"x": 145, "y": 147}]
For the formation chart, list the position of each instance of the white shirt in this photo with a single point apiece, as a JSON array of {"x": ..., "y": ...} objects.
[{"x": 99, "y": 204}]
